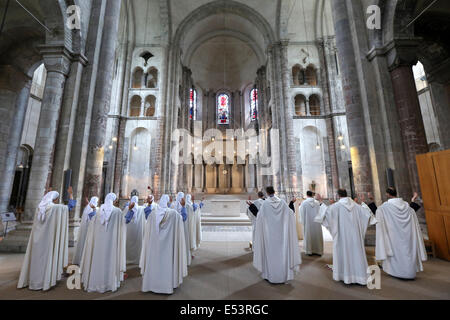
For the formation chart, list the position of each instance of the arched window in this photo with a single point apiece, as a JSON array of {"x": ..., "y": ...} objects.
[
  {"x": 150, "y": 106},
  {"x": 192, "y": 104},
  {"x": 152, "y": 78},
  {"x": 298, "y": 75},
  {"x": 314, "y": 105},
  {"x": 300, "y": 105},
  {"x": 311, "y": 75},
  {"x": 254, "y": 104},
  {"x": 135, "y": 106},
  {"x": 137, "y": 78},
  {"x": 223, "y": 108}
]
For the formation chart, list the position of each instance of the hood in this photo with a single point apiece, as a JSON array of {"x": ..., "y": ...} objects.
[
  {"x": 312, "y": 202},
  {"x": 398, "y": 203},
  {"x": 347, "y": 203},
  {"x": 274, "y": 201}
]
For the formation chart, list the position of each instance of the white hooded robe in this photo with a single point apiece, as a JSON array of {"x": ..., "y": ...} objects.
[
  {"x": 85, "y": 220},
  {"x": 399, "y": 240},
  {"x": 276, "y": 249},
  {"x": 48, "y": 249},
  {"x": 347, "y": 222},
  {"x": 312, "y": 231},
  {"x": 135, "y": 232},
  {"x": 104, "y": 258},
  {"x": 163, "y": 263},
  {"x": 257, "y": 203}
]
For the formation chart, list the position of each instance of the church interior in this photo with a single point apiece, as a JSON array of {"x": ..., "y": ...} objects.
[{"x": 220, "y": 99}]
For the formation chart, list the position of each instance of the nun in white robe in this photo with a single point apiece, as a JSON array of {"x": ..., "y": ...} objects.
[
  {"x": 88, "y": 213},
  {"x": 198, "y": 222},
  {"x": 276, "y": 250},
  {"x": 251, "y": 216},
  {"x": 104, "y": 258},
  {"x": 312, "y": 231},
  {"x": 48, "y": 247},
  {"x": 164, "y": 262},
  {"x": 135, "y": 224},
  {"x": 183, "y": 212},
  {"x": 347, "y": 222},
  {"x": 192, "y": 223},
  {"x": 149, "y": 209},
  {"x": 399, "y": 240}
]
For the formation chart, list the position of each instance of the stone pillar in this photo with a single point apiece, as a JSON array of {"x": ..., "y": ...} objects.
[
  {"x": 440, "y": 93},
  {"x": 410, "y": 119},
  {"x": 12, "y": 145},
  {"x": 308, "y": 110},
  {"x": 118, "y": 168},
  {"x": 101, "y": 105},
  {"x": 353, "y": 103},
  {"x": 57, "y": 63}
]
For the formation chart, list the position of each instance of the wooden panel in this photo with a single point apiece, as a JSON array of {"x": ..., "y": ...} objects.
[
  {"x": 434, "y": 175},
  {"x": 441, "y": 163}
]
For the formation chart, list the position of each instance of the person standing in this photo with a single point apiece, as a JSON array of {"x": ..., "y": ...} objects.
[
  {"x": 88, "y": 213},
  {"x": 276, "y": 250},
  {"x": 135, "y": 224},
  {"x": 399, "y": 240},
  {"x": 257, "y": 203},
  {"x": 48, "y": 247},
  {"x": 312, "y": 231}
]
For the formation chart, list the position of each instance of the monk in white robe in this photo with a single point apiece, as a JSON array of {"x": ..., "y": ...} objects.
[
  {"x": 88, "y": 213},
  {"x": 149, "y": 207},
  {"x": 48, "y": 247},
  {"x": 399, "y": 240},
  {"x": 179, "y": 206},
  {"x": 276, "y": 250},
  {"x": 347, "y": 222},
  {"x": 192, "y": 222},
  {"x": 312, "y": 231},
  {"x": 135, "y": 224},
  {"x": 104, "y": 258},
  {"x": 258, "y": 202},
  {"x": 164, "y": 262},
  {"x": 198, "y": 221}
]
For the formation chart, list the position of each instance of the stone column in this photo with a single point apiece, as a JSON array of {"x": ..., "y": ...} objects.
[
  {"x": 102, "y": 99},
  {"x": 353, "y": 103},
  {"x": 13, "y": 144},
  {"x": 410, "y": 119},
  {"x": 57, "y": 63},
  {"x": 118, "y": 168},
  {"x": 308, "y": 110}
]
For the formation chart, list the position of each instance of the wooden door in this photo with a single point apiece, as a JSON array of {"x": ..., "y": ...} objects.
[{"x": 434, "y": 175}]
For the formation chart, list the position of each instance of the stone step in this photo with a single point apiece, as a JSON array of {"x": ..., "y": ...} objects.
[{"x": 208, "y": 219}]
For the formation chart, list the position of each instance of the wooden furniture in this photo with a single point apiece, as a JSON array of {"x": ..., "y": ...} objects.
[{"x": 434, "y": 175}]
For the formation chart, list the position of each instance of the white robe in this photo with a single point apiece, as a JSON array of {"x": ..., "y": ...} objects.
[
  {"x": 192, "y": 223},
  {"x": 146, "y": 236},
  {"x": 276, "y": 249},
  {"x": 135, "y": 235},
  {"x": 82, "y": 233},
  {"x": 164, "y": 262},
  {"x": 104, "y": 258},
  {"x": 252, "y": 218},
  {"x": 312, "y": 231},
  {"x": 198, "y": 221},
  {"x": 399, "y": 240},
  {"x": 187, "y": 239},
  {"x": 347, "y": 222},
  {"x": 48, "y": 249}
]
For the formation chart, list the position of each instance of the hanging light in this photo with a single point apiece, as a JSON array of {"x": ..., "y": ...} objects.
[
  {"x": 21, "y": 165},
  {"x": 114, "y": 139},
  {"x": 340, "y": 137},
  {"x": 318, "y": 146},
  {"x": 110, "y": 147},
  {"x": 343, "y": 147}
]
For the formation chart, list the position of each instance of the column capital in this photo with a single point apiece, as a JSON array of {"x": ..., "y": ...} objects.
[
  {"x": 57, "y": 58},
  {"x": 398, "y": 52}
]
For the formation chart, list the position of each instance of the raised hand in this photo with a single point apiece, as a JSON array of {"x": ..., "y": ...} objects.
[
  {"x": 415, "y": 196},
  {"x": 131, "y": 206},
  {"x": 182, "y": 202},
  {"x": 249, "y": 202},
  {"x": 370, "y": 196},
  {"x": 70, "y": 192}
]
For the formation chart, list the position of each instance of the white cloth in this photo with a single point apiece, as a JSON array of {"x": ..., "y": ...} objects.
[
  {"x": 347, "y": 222},
  {"x": 104, "y": 257},
  {"x": 177, "y": 206},
  {"x": 107, "y": 208},
  {"x": 135, "y": 231},
  {"x": 192, "y": 223},
  {"x": 198, "y": 221},
  {"x": 163, "y": 262},
  {"x": 82, "y": 232},
  {"x": 252, "y": 218},
  {"x": 48, "y": 249},
  {"x": 312, "y": 231},
  {"x": 46, "y": 200},
  {"x": 399, "y": 241},
  {"x": 276, "y": 249}
]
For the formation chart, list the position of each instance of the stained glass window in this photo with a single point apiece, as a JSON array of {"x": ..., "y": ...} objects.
[
  {"x": 254, "y": 104},
  {"x": 223, "y": 108},
  {"x": 193, "y": 104}
]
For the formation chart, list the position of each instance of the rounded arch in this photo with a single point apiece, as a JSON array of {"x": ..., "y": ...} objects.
[
  {"x": 139, "y": 170},
  {"x": 221, "y": 7},
  {"x": 150, "y": 106},
  {"x": 135, "y": 106},
  {"x": 298, "y": 75},
  {"x": 300, "y": 105},
  {"x": 152, "y": 78},
  {"x": 223, "y": 106},
  {"x": 138, "y": 75},
  {"x": 314, "y": 105},
  {"x": 311, "y": 75}
]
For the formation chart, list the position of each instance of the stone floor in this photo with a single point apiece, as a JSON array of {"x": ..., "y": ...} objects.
[{"x": 222, "y": 269}]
